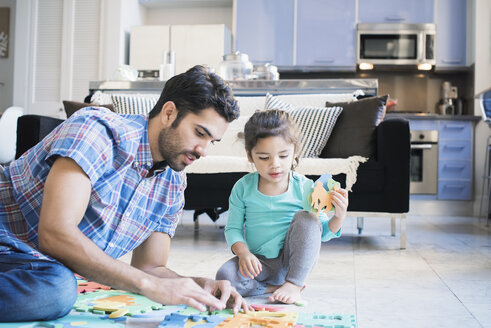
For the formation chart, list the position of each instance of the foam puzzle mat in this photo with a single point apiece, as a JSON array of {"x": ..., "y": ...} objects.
[{"x": 99, "y": 306}]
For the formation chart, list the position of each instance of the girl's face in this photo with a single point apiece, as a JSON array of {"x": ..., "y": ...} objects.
[{"x": 273, "y": 158}]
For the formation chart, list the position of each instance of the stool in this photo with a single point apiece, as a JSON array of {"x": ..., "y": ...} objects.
[
  {"x": 485, "y": 104},
  {"x": 485, "y": 182}
]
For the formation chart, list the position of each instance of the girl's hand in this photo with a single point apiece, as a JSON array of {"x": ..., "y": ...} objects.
[
  {"x": 340, "y": 201},
  {"x": 249, "y": 265}
]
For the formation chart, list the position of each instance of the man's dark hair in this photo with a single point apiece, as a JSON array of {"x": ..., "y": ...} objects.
[{"x": 195, "y": 90}]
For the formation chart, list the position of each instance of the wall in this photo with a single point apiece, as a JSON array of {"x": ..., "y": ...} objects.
[
  {"x": 7, "y": 64},
  {"x": 482, "y": 80}
]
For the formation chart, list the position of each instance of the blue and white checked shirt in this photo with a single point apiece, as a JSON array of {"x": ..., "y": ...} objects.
[{"x": 125, "y": 205}]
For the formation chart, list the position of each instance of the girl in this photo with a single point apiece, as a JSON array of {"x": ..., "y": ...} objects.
[{"x": 281, "y": 242}]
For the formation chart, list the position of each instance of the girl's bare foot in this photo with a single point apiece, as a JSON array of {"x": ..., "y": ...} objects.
[{"x": 288, "y": 293}]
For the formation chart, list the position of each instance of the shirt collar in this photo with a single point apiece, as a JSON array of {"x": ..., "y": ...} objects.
[{"x": 144, "y": 155}]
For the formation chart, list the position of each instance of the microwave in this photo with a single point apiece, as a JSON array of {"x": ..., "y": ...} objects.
[{"x": 396, "y": 44}]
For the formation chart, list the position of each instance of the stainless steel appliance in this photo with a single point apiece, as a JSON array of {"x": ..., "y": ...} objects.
[
  {"x": 424, "y": 162},
  {"x": 396, "y": 44}
]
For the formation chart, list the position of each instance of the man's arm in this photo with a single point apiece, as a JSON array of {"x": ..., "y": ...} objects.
[
  {"x": 152, "y": 255},
  {"x": 65, "y": 199}
]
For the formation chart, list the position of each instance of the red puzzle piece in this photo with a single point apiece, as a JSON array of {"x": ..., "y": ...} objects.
[{"x": 90, "y": 286}]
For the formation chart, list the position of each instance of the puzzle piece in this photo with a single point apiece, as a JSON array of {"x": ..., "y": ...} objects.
[
  {"x": 318, "y": 196},
  {"x": 266, "y": 307},
  {"x": 84, "y": 286},
  {"x": 102, "y": 301},
  {"x": 326, "y": 321}
]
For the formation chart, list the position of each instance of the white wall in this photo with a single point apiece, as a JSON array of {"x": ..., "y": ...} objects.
[
  {"x": 7, "y": 64},
  {"x": 482, "y": 80}
]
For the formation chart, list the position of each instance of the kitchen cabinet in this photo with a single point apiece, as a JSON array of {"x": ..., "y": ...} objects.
[
  {"x": 264, "y": 30},
  {"x": 455, "y": 154},
  {"x": 455, "y": 160},
  {"x": 396, "y": 11},
  {"x": 451, "y": 31},
  {"x": 326, "y": 33},
  {"x": 147, "y": 46},
  {"x": 199, "y": 45}
]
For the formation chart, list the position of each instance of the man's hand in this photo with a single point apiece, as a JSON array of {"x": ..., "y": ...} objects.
[
  {"x": 174, "y": 291},
  {"x": 228, "y": 295}
]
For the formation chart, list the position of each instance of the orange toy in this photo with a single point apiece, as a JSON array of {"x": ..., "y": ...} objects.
[{"x": 321, "y": 198}]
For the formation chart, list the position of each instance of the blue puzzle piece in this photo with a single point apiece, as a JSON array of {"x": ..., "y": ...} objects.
[
  {"x": 174, "y": 320},
  {"x": 326, "y": 321}
]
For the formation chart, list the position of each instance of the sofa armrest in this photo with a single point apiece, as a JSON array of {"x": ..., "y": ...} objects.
[
  {"x": 394, "y": 151},
  {"x": 31, "y": 129}
]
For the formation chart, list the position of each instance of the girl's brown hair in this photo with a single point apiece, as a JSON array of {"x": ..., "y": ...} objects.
[{"x": 271, "y": 123}]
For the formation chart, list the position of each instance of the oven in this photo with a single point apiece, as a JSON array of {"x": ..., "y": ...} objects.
[{"x": 424, "y": 162}]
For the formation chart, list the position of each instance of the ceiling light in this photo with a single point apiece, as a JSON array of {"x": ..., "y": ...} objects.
[{"x": 365, "y": 66}]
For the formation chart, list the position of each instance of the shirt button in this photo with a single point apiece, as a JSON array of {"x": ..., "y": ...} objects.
[
  {"x": 111, "y": 244},
  {"x": 127, "y": 214}
]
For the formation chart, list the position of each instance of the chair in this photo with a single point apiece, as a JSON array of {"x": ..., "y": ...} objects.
[
  {"x": 485, "y": 103},
  {"x": 8, "y": 133}
]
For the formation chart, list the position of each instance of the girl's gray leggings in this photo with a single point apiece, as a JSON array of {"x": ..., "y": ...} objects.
[{"x": 295, "y": 261}]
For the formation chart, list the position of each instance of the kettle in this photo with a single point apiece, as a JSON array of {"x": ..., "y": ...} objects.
[{"x": 235, "y": 66}]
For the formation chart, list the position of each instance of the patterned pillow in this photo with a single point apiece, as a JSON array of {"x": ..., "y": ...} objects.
[
  {"x": 133, "y": 104},
  {"x": 315, "y": 124}
]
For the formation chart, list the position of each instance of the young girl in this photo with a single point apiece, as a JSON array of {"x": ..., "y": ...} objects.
[{"x": 281, "y": 242}]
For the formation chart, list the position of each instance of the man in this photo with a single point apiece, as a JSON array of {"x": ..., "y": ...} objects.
[{"x": 101, "y": 185}]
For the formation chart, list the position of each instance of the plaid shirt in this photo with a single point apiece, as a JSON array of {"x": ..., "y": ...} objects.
[{"x": 125, "y": 205}]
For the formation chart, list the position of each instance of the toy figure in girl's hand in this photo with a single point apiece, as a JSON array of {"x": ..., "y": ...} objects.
[
  {"x": 282, "y": 240},
  {"x": 319, "y": 198}
]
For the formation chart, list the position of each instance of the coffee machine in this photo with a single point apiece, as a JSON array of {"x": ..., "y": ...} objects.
[{"x": 449, "y": 104}]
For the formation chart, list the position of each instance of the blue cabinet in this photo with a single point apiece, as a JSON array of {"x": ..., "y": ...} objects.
[
  {"x": 326, "y": 33},
  {"x": 451, "y": 32},
  {"x": 455, "y": 154},
  {"x": 455, "y": 160},
  {"x": 396, "y": 11},
  {"x": 264, "y": 30}
]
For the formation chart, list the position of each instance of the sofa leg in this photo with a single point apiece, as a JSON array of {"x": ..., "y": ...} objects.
[
  {"x": 403, "y": 232},
  {"x": 393, "y": 226},
  {"x": 359, "y": 224}
]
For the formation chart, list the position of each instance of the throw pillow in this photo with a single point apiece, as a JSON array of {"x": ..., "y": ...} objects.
[
  {"x": 231, "y": 144},
  {"x": 72, "y": 106},
  {"x": 315, "y": 124},
  {"x": 133, "y": 104},
  {"x": 354, "y": 133}
]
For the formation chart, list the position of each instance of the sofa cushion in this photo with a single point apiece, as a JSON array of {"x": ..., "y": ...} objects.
[
  {"x": 133, "y": 104},
  {"x": 315, "y": 124},
  {"x": 354, "y": 132},
  {"x": 231, "y": 144},
  {"x": 72, "y": 106}
]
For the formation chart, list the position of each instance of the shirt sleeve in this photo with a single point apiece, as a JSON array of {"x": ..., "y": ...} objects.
[
  {"x": 327, "y": 234},
  {"x": 88, "y": 141},
  {"x": 234, "y": 230}
]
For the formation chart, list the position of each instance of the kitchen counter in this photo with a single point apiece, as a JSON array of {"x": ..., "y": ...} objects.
[{"x": 425, "y": 116}]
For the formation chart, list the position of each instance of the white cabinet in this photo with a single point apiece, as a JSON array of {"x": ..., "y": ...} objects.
[
  {"x": 147, "y": 46},
  {"x": 199, "y": 45},
  {"x": 395, "y": 11}
]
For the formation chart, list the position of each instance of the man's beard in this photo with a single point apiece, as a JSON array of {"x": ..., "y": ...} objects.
[{"x": 170, "y": 148}]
